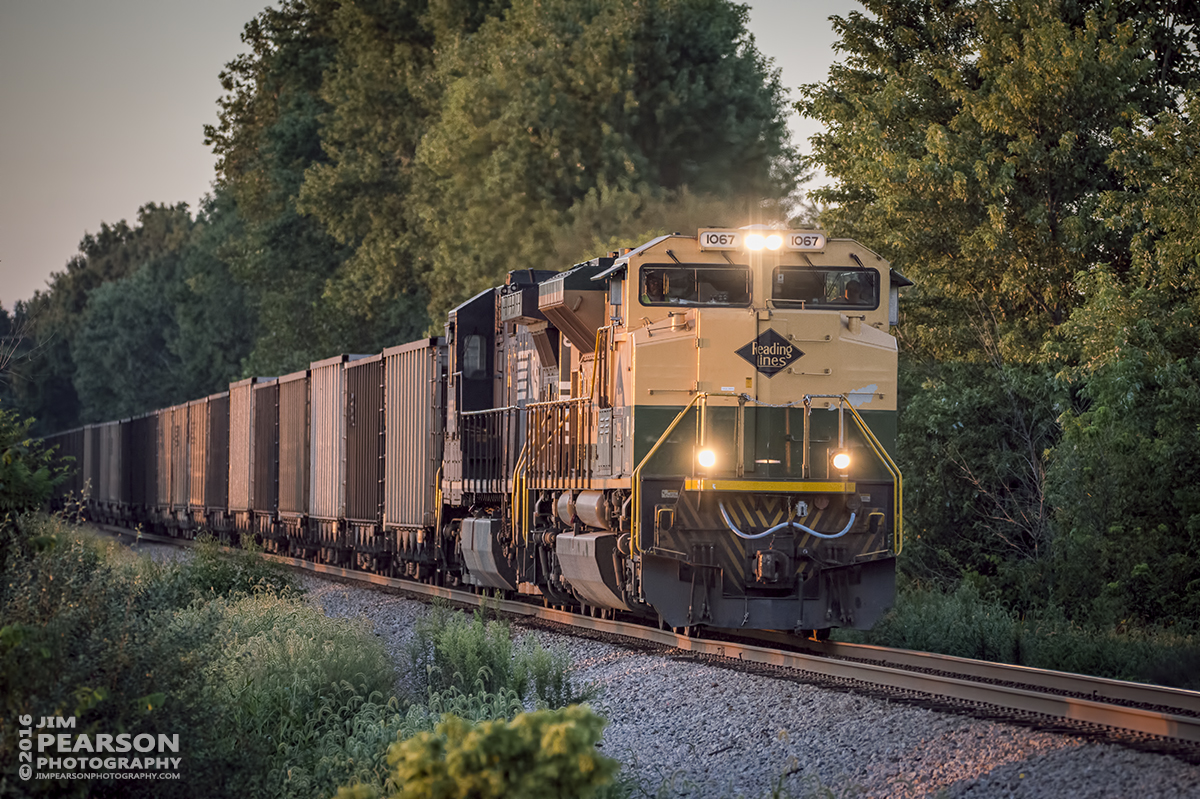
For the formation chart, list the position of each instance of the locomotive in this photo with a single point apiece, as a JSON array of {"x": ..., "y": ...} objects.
[{"x": 696, "y": 432}]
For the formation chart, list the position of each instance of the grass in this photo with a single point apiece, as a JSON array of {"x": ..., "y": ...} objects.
[
  {"x": 453, "y": 655},
  {"x": 965, "y": 624}
]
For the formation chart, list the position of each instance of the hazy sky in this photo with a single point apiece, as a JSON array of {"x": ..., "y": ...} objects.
[{"x": 103, "y": 103}]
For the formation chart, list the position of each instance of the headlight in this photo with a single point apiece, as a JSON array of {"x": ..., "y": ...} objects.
[
  {"x": 755, "y": 241},
  {"x": 774, "y": 241},
  {"x": 841, "y": 460},
  {"x": 707, "y": 458}
]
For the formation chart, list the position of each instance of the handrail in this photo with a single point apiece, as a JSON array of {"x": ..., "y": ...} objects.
[
  {"x": 438, "y": 497},
  {"x": 898, "y": 491},
  {"x": 517, "y": 496},
  {"x": 635, "y": 524},
  {"x": 486, "y": 411}
]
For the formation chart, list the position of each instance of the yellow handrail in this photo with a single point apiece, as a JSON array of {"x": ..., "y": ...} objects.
[
  {"x": 517, "y": 495},
  {"x": 897, "y": 497},
  {"x": 635, "y": 524}
]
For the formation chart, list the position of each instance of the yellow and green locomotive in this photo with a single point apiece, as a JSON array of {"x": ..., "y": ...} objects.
[{"x": 697, "y": 430}]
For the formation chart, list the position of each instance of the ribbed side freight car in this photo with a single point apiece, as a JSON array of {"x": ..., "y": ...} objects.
[
  {"x": 161, "y": 499},
  {"x": 294, "y": 460},
  {"x": 264, "y": 484},
  {"x": 216, "y": 467},
  {"x": 414, "y": 430},
  {"x": 109, "y": 470},
  {"x": 327, "y": 450},
  {"x": 241, "y": 454},
  {"x": 91, "y": 466},
  {"x": 173, "y": 506},
  {"x": 364, "y": 463},
  {"x": 68, "y": 454},
  {"x": 124, "y": 436},
  {"x": 142, "y": 454},
  {"x": 197, "y": 447}
]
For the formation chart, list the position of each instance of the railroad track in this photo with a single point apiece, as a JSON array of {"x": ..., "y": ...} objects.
[{"x": 1139, "y": 713}]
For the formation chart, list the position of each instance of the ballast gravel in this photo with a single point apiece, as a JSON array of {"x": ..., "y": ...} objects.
[{"x": 687, "y": 728}]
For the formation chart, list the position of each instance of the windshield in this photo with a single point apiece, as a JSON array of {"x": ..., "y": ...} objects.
[
  {"x": 689, "y": 284},
  {"x": 810, "y": 287}
]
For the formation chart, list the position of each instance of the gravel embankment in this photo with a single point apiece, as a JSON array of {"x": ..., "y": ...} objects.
[{"x": 710, "y": 731}]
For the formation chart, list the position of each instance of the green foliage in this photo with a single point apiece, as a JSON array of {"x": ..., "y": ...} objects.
[
  {"x": 958, "y": 623},
  {"x": 28, "y": 472},
  {"x": 1129, "y": 506},
  {"x": 1030, "y": 163},
  {"x": 973, "y": 444},
  {"x": 267, "y": 135},
  {"x": 1124, "y": 476},
  {"x": 453, "y": 657},
  {"x": 304, "y": 691},
  {"x": 971, "y": 140},
  {"x": 967, "y": 623},
  {"x": 214, "y": 572},
  {"x": 44, "y": 383},
  {"x": 557, "y": 99},
  {"x": 550, "y": 753},
  {"x": 146, "y": 316},
  {"x": 83, "y": 636},
  {"x": 267, "y": 695}
]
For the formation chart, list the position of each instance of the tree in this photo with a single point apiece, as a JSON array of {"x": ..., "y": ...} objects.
[
  {"x": 176, "y": 329},
  {"x": 267, "y": 135},
  {"x": 44, "y": 383},
  {"x": 986, "y": 148},
  {"x": 1124, "y": 475},
  {"x": 555, "y": 100},
  {"x": 382, "y": 94},
  {"x": 970, "y": 141},
  {"x": 123, "y": 365},
  {"x": 215, "y": 327},
  {"x": 28, "y": 472}
]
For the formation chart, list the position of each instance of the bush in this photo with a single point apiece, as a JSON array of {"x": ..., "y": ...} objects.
[
  {"x": 547, "y": 753},
  {"x": 213, "y": 571},
  {"x": 963, "y": 623},
  {"x": 84, "y": 635},
  {"x": 267, "y": 696},
  {"x": 27, "y": 473},
  {"x": 958, "y": 623},
  {"x": 453, "y": 655},
  {"x": 303, "y": 691}
]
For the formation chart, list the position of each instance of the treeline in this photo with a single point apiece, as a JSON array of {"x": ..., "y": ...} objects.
[
  {"x": 379, "y": 162},
  {"x": 1032, "y": 165}
]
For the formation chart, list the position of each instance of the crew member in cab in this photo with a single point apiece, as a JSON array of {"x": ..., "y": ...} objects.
[
  {"x": 652, "y": 286},
  {"x": 854, "y": 293}
]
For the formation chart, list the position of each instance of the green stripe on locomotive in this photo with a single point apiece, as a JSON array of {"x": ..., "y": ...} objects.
[{"x": 771, "y": 434}]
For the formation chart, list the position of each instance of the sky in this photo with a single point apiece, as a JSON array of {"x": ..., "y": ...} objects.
[{"x": 103, "y": 107}]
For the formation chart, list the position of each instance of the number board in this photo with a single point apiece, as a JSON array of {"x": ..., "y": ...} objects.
[
  {"x": 720, "y": 240},
  {"x": 793, "y": 240},
  {"x": 804, "y": 240}
]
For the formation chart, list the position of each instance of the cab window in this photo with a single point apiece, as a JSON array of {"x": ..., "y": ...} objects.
[
  {"x": 809, "y": 287},
  {"x": 688, "y": 284}
]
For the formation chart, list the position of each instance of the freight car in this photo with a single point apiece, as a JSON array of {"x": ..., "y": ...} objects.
[{"x": 695, "y": 432}]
